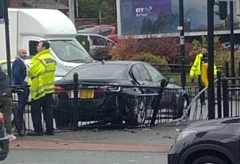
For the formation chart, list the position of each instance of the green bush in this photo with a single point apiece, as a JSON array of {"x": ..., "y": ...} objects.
[
  {"x": 221, "y": 57},
  {"x": 221, "y": 54},
  {"x": 149, "y": 58}
]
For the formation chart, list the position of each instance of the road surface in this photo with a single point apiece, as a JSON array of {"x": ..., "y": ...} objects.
[{"x": 37, "y": 156}]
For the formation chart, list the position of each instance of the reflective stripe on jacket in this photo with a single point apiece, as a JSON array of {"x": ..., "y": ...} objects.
[
  {"x": 42, "y": 74},
  {"x": 196, "y": 67}
]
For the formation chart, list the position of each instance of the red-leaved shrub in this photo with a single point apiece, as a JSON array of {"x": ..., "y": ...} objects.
[{"x": 166, "y": 47}]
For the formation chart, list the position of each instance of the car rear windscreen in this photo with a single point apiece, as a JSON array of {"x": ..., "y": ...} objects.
[{"x": 99, "y": 71}]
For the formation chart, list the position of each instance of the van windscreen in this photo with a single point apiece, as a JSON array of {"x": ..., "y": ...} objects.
[{"x": 70, "y": 51}]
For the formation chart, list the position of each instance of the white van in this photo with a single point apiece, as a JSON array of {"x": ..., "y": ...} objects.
[{"x": 29, "y": 26}]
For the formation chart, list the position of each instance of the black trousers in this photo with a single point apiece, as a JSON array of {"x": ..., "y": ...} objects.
[
  {"x": 42, "y": 105},
  {"x": 201, "y": 87},
  {"x": 22, "y": 100}
]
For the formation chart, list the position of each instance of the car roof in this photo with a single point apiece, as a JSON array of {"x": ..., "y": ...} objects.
[
  {"x": 92, "y": 34},
  {"x": 89, "y": 33},
  {"x": 89, "y": 28},
  {"x": 105, "y": 26},
  {"x": 115, "y": 62},
  {"x": 85, "y": 26},
  {"x": 125, "y": 62}
]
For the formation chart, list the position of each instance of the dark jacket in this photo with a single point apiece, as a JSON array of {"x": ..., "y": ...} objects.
[
  {"x": 19, "y": 72},
  {"x": 5, "y": 89}
]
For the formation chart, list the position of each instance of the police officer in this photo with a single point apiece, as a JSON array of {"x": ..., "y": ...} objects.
[
  {"x": 196, "y": 68},
  {"x": 41, "y": 75}
]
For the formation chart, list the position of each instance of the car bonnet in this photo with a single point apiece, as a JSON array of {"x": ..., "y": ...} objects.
[{"x": 207, "y": 125}]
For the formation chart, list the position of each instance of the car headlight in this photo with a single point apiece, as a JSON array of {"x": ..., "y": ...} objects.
[{"x": 183, "y": 134}]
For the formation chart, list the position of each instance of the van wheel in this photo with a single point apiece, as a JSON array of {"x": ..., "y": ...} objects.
[{"x": 210, "y": 160}]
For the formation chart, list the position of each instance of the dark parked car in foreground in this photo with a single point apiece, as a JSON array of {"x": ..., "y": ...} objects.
[
  {"x": 116, "y": 102},
  {"x": 4, "y": 140},
  {"x": 208, "y": 142}
]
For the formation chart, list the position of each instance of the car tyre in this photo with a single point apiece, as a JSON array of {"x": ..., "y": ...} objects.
[
  {"x": 137, "y": 112},
  {"x": 209, "y": 159}
]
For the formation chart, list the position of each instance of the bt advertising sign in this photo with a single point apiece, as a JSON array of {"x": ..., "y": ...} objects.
[{"x": 150, "y": 8}]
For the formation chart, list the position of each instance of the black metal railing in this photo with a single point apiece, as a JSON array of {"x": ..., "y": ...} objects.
[
  {"x": 69, "y": 112},
  {"x": 111, "y": 105},
  {"x": 231, "y": 92},
  {"x": 174, "y": 71}
]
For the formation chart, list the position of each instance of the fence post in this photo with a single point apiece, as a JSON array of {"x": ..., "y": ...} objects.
[
  {"x": 75, "y": 101},
  {"x": 239, "y": 71},
  {"x": 219, "y": 94},
  {"x": 157, "y": 104},
  {"x": 226, "y": 69},
  {"x": 225, "y": 97}
]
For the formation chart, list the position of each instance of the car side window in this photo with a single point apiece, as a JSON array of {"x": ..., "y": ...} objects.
[
  {"x": 135, "y": 72},
  {"x": 97, "y": 31},
  {"x": 106, "y": 31},
  {"x": 97, "y": 41},
  {"x": 33, "y": 47},
  {"x": 143, "y": 72},
  {"x": 154, "y": 73},
  {"x": 110, "y": 43}
]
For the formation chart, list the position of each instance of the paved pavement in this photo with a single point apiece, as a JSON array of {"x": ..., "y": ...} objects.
[{"x": 149, "y": 139}]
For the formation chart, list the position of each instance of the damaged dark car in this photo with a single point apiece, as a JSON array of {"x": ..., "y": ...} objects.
[{"x": 105, "y": 96}]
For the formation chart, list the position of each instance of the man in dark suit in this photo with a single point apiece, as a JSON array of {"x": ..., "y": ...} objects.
[{"x": 19, "y": 77}]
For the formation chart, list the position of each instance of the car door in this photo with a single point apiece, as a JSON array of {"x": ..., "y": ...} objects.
[
  {"x": 141, "y": 75},
  {"x": 135, "y": 75},
  {"x": 99, "y": 45},
  {"x": 156, "y": 76},
  {"x": 83, "y": 40},
  {"x": 143, "y": 78}
]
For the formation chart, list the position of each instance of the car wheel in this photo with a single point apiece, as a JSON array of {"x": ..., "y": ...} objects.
[
  {"x": 137, "y": 112},
  {"x": 186, "y": 103},
  {"x": 209, "y": 160}
]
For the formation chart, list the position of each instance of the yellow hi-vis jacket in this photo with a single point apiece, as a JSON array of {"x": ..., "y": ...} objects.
[
  {"x": 196, "y": 67},
  {"x": 42, "y": 74}
]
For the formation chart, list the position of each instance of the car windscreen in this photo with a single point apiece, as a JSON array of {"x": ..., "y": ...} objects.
[
  {"x": 61, "y": 71},
  {"x": 70, "y": 51},
  {"x": 97, "y": 71}
]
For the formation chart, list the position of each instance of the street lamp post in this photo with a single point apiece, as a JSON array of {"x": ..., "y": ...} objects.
[
  {"x": 210, "y": 36},
  {"x": 232, "y": 41},
  {"x": 8, "y": 54},
  {"x": 182, "y": 42},
  {"x": 71, "y": 10}
]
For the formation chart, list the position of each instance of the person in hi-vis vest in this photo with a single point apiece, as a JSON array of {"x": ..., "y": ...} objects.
[
  {"x": 42, "y": 73},
  {"x": 200, "y": 63}
]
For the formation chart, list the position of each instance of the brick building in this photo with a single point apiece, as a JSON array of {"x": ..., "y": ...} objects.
[{"x": 46, "y": 4}]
